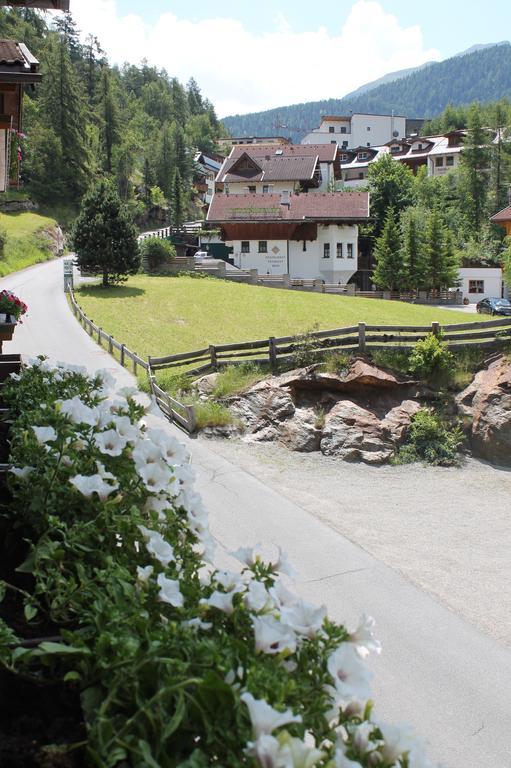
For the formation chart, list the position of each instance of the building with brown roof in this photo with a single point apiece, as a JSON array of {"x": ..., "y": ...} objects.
[
  {"x": 309, "y": 235},
  {"x": 503, "y": 219},
  {"x": 18, "y": 68}
]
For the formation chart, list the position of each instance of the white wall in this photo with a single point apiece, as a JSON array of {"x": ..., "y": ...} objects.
[
  {"x": 275, "y": 187},
  {"x": 359, "y": 131},
  {"x": 308, "y": 264},
  {"x": 492, "y": 278},
  {"x": 434, "y": 170}
]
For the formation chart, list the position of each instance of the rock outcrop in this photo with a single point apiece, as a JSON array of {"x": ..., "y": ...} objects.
[
  {"x": 361, "y": 415},
  {"x": 486, "y": 406}
]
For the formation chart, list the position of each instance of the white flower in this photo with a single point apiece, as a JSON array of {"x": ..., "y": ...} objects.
[
  {"x": 107, "y": 380},
  {"x": 171, "y": 449},
  {"x": 257, "y": 598},
  {"x": 417, "y": 758},
  {"x": 362, "y": 737},
  {"x": 351, "y": 676},
  {"x": 15, "y": 376},
  {"x": 341, "y": 761},
  {"x": 118, "y": 405},
  {"x": 22, "y": 472},
  {"x": 220, "y": 600},
  {"x": 127, "y": 391},
  {"x": 272, "y": 637},
  {"x": 282, "y": 565},
  {"x": 144, "y": 574},
  {"x": 249, "y": 556},
  {"x": 125, "y": 428},
  {"x": 265, "y": 718},
  {"x": 88, "y": 485},
  {"x": 266, "y": 749},
  {"x": 228, "y": 580},
  {"x": 78, "y": 412},
  {"x": 156, "y": 477},
  {"x": 44, "y": 434},
  {"x": 246, "y": 555},
  {"x": 298, "y": 753},
  {"x": 103, "y": 473},
  {"x": 158, "y": 504},
  {"x": 169, "y": 591},
  {"x": 156, "y": 545},
  {"x": 110, "y": 442},
  {"x": 282, "y": 595},
  {"x": 304, "y": 618},
  {"x": 197, "y": 624},
  {"x": 363, "y": 637},
  {"x": 146, "y": 452},
  {"x": 396, "y": 741}
]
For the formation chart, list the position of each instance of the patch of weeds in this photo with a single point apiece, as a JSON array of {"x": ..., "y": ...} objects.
[
  {"x": 430, "y": 440},
  {"x": 319, "y": 417},
  {"x": 395, "y": 359},
  {"x": 305, "y": 346},
  {"x": 235, "y": 378},
  {"x": 336, "y": 362},
  {"x": 212, "y": 414},
  {"x": 175, "y": 384},
  {"x": 430, "y": 357},
  {"x": 194, "y": 275},
  {"x": 465, "y": 361}
]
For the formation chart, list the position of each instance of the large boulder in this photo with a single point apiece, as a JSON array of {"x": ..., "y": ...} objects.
[
  {"x": 262, "y": 406},
  {"x": 486, "y": 406}
]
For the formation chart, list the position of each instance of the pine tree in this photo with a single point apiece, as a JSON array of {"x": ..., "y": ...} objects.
[
  {"x": 450, "y": 267},
  {"x": 475, "y": 160},
  {"x": 104, "y": 237},
  {"x": 195, "y": 103},
  {"x": 164, "y": 161},
  {"x": 440, "y": 261},
  {"x": 109, "y": 112},
  {"x": 412, "y": 251},
  {"x": 389, "y": 273},
  {"x": 177, "y": 200},
  {"x": 66, "y": 27},
  {"x": 62, "y": 110}
]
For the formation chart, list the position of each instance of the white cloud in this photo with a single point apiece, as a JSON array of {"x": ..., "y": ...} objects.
[{"x": 243, "y": 72}]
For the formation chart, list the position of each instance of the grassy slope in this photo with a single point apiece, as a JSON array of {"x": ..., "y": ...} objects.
[
  {"x": 161, "y": 315},
  {"x": 24, "y": 245}
]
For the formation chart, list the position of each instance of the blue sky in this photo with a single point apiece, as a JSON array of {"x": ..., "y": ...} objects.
[{"x": 259, "y": 54}]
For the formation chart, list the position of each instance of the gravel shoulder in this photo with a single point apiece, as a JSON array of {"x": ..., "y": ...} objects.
[{"x": 448, "y": 530}]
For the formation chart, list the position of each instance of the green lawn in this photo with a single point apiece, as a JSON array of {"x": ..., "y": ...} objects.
[
  {"x": 26, "y": 243},
  {"x": 164, "y": 315}
]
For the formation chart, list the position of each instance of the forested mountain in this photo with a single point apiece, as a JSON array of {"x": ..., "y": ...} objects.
[
  {"x": 136, "y": 125},
  {"x": 482, "y": 75}
]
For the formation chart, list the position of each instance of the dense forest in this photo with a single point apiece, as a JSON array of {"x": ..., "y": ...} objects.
[
  {"x": 482, "y": 75},
  {"x": 136, "y": 125}
]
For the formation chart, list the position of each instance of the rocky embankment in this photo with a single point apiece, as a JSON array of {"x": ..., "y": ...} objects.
[{"x": 364, "y": 413}]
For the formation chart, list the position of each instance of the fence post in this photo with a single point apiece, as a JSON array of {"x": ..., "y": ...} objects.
[
  {"x": 286, "y": 281},
  {"x": 362, "y": 337},
  {"x": 110, "y": 345},
  {"x": 435, "y": 328},
  {"x": 99, "y": 336},
  {"x": 212, "y": 354},
  {"x": 191, "y": 418},
  {"x": 317, "y": 285},
  {"x": 272, "y": 352},
  {"x": 121, "y": 360},
  {"x": 134, "y": 362},
  {"x": 254, "y": 276}
]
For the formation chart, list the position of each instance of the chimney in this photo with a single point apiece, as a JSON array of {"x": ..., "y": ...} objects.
[{"x": 285, "y": 198}]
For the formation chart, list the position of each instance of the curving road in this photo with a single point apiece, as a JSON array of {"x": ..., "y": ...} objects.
[{"x": 436, "y": 671}]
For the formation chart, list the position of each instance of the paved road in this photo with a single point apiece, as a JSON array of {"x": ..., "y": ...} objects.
[{"x": 437, "y": 671}]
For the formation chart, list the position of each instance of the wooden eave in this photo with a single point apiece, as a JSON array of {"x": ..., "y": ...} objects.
[{"x": 8, "y": 76}]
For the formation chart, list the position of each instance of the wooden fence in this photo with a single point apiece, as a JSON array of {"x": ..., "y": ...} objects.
[{"x": 274, "y": 350}]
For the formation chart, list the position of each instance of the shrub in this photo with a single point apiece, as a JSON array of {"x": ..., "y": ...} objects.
[
  {"x": 336, "y": 362},
  {"x": 430, "y": 441},
  {"x": 155, "y": 252},
  {"x": 235, "y": 378},
  {"x": 175, "y": 662},
  {"x": 304, "y": 349},
  {"x": 430, "y": 357},
  {"x": 212, "y": 414}
]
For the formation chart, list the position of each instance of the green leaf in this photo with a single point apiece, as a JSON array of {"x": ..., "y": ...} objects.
[
  {"x": 176, "y": 719},
  {"x": 28, "y": 565},
  {"x": 3, "y": 590},
  {"x": 71, "y": 676},
  {"x": 146, "y": 754},
  {"x": 60, "y": 648},
  {"x": 30, "y": 611}
]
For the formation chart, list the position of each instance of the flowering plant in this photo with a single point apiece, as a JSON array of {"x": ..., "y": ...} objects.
[
  {"x": 176, "y": 661},
  {"x": 12, "y": 305}
]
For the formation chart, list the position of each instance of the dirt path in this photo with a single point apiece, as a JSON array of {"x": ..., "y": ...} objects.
[{"x": 446, "y": 529}]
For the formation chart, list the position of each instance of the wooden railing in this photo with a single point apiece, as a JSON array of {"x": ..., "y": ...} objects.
[{"x": 274, "y": 350}]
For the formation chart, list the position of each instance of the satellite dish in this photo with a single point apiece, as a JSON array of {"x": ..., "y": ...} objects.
[{"x": 395, "y": 134}]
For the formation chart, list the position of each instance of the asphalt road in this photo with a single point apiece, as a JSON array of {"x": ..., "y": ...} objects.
[{"x": 437, "y": 672}]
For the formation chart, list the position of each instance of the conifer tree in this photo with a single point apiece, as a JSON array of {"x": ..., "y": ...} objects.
[
  {"x": 178, "y": 200},
  {"x": 412, "y": 252},
  {"x": 109, "y": 112},
  {"x": 104, "y": 237},
  {"x": 439, "y": 256},
  {"x": 389, "y": 272},
  {"x": 475, "y": 160}
]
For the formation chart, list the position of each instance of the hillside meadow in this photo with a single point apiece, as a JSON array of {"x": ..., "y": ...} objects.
[
  {"x": 26, "y": 242},
  {"x": 165, "y": 315}
]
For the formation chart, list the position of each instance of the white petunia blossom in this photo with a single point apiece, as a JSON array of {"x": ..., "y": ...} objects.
[
  {"x": 341, "y": 761},
  {"x": 144, "y": 574},
  {"x": 272, "y": 637},
  {"x": 257, "y": 598},
  {"x": 125, "y": 428},
  {"x": 155, "y": 477},
  {"x": 169, "y": 591},
  {"x": 265, "y": 718},
  {"x": 110, "y": 442},
  {"x": 221, "y": 600},
  {"x": 298, "y": 753},
  {"x": 78, "y": 412},
  {"x": 396, "y": 741},
  {"x": 44, "y": 434},
  {"x": 158, "y": 504},
  {"x": 282, "y": 595},
  {"x": 305, "y": 619},
  {"x": 363, "y": 637},
  {"x": 88, "y": 485},
  {"x": 156, "y": 545},
  {"x": 351, "y": 677},
  {"x": 146, "y": 452},
  {"x": 108, "y": 381},
  {"x": 197, "y": 624},
  {"x": 171, "y": 449},
  {"x": 266, "y": 749},
  {"x": 127, "y": 391},
  {"x": 22, "y": 472},
  {"x": 362, "y": 737},
  {"x": 229, "y": 580}
]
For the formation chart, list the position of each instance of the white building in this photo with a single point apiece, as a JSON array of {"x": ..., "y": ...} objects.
[
  {"x": 482, "y": 283},
  {"x": 309, "y": 236},
  {"x": 358, "y": 130}
]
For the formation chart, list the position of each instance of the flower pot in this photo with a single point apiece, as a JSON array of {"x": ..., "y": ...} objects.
[
  {"x": 6, "y": 319},
  {"x": 6, "y": 328}
]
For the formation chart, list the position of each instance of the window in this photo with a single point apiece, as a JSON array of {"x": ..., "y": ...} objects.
[
  {"x": 333, "y": 141},
  {"x": 251, "y": 189},
  {"x": 368, "y": 127},
  {"x": 368, "y": 144},
  {"x": 245, "y": 246},
  {"x": 350, "y": 250},
  {"x": 344, "y": 158},
  {"x": 331, "y": 129},
  {"x": 266, "y": 189},
  {"x": 361, "y": 174},
  {"x": 343, "y": 130},
  {"x": 476, "y": 286},
  {"x": 439, "y": 162},
  {"x": 395, "y": 148},
  {"x": 304, "y": 246},
  {"x": 345, "y": 145},
  {"x": 449, "y": 160},
  {"x": 263, "y": 246},
  {"x": 326, "y": 250},
  {"x": 339, "y": 250},
  {"x": 362, "y": 155}
]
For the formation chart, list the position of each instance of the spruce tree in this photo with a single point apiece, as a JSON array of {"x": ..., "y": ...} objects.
[
  {"x": 412, "y": 252},
  {"x": 109, "y": 113},
  {"x": 475, "y": 160},
  {"x": 104, "y": 237},
  {"x": 389, "y": 273},
  {"x": 164, "y": 161},
  {"x": 177, "y": 200},
  {"x": 441, "y": 267}
]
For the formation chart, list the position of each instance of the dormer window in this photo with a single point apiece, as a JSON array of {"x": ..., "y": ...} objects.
[
  {"x": 363, "y": 155},
  {"x": 331, "y": 129},
  {"x": 395, "y": 148},
  {"x": 344, "y": 158}
]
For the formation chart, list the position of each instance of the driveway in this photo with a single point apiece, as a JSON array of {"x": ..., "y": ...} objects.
[{"x": 438, "y": 671}]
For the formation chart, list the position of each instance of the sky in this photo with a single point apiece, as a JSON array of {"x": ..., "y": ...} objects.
[{"x": 250, "y": 55}]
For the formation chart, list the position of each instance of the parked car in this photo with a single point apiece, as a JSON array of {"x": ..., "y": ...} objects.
[
  {"x": 494, "y": 306},
  {"x": 200, "y": 255}
]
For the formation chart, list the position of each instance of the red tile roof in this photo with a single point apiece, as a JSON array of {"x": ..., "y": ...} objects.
[
  {"x": 503, "y": 215},
  {"x": 272, "y": 169},
  {"x": 325, "y": 152},
  {"x": 314, "y": 206}
]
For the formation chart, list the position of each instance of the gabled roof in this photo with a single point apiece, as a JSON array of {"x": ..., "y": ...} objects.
[
  {"x": 270, "y": 168},
  {"x": 502, "y": 216},
  {"x": 17, "y": 65},
  {"x": 327, "y": 153},
  {"x": 329, "y": 206}
]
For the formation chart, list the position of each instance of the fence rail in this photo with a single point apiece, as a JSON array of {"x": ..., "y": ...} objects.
[{"x": 274, "y": 350}]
